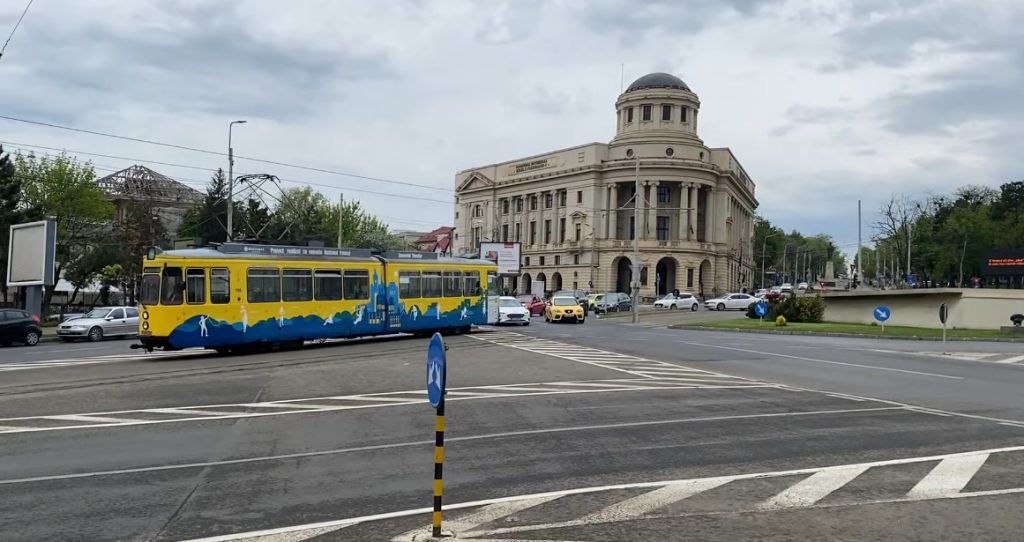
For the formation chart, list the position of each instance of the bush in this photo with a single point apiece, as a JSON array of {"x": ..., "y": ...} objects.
[
  {"x": 780, "y": 321},
  {"x": 788, "y": 307},
  {"x": 811, "y": 309}
]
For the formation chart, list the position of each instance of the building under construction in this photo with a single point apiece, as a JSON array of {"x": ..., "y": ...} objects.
[{"x": 169, "y": 199}]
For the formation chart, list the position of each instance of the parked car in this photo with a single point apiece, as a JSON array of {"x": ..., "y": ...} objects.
[
  {"x": 101, "y": 322},
  {"x": 802, "y": 286},
  {"x": 18, "y": 326},
  {"x": 564, "y": 309},
  {"x": 786, "y": 288},
  {"x": 731, "y": 301},
  {"x": 613, "y": 302},
  {"x": 682, "y": 301},
  {"x": 761, "y": 293},
  {"x": 512, "y": 311}
]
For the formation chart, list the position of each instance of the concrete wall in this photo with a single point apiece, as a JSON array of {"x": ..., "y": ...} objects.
[{"x": 968, "y": 308}]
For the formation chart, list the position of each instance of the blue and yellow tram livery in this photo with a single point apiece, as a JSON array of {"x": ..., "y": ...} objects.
[{"x": 239, "y": 295}]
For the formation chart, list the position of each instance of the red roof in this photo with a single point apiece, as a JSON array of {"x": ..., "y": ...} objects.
[{"x": 439, "y": 240}]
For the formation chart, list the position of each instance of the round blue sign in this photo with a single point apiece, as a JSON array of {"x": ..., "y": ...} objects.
[
  {"x": 436, "y": 370},
  {"x": 882, "y": 313},
  {"x": 761, "y": 309}
]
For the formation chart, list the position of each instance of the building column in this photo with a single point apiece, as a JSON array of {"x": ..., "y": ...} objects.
[
  {"x": 540, "y": 221},
  {"x": 652, "y": 211},
  {"x": 691, "y": 218},
  {"x": 709, "y": 216},
  {"x": 613, "y": 216},
  {"x": 684, "y": 216}
]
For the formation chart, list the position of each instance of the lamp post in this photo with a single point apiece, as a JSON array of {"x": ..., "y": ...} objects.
[
  {"x": 231, "y": 180},
  {"x": 764, "y": 249},
  {"x": 637, "y": 194}
]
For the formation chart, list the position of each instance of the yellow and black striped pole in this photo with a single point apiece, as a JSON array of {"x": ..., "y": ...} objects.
[{"x": 438, "y": 467}]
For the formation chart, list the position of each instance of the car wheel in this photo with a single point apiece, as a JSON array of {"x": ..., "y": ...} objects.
[
  {"x": 95, "y": 334},
  {"x": 31, "y": 338},
  {"x": 580, "y": 321},
  {"x": 720, "y": 307},
  {"x": 694, "y": 307},
  {"x": 672, "y": 307}
]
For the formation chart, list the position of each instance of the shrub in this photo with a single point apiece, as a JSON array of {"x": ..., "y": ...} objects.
[
  {"x": 788, "y": 307},
  {"x": 811, "y": 309},
  {"x": 780, "y": 321}
]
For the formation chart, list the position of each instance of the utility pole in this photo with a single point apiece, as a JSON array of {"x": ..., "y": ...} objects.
[
  {"x": 860, "y": 255},
  {"x": 785, "y": 250},
  {"x": 231, "y": 181},
  {"x": 341, "y": 215},
  {"x": 909, "y": 236},
  {"x": 636, "y": 241}
]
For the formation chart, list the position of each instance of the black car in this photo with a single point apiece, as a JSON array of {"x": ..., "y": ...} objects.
[
  {"x": 613, "y": 302},
  {"x": 17, "y": 326}
]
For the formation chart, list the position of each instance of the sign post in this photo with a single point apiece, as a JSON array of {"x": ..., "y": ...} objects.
[
  {"x": 943, "y": 314},
  {"x": 436, "y": 376},
  {"x": 882, "y": 313},
  {"x": 761, "y": 309}
]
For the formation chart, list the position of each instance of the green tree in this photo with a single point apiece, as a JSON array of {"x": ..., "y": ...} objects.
[
  {"x": 66, "y": 191},
  {"x": 206, "y": 222},
  {"x": 12, "y": 210}
]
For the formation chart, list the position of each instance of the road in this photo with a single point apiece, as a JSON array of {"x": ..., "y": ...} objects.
[{"x": 599, "y": 432}]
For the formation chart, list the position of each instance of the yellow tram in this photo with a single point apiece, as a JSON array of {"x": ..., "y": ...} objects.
[{"x": 241, "y": 295}]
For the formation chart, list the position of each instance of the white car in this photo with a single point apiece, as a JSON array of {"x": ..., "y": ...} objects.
[
  {"x": 731, "y": 301},
  {"x": 512, "y": 311},
  {"x": 802, "y": 286},
  {"x": 761, "y": 293},
  {"x": 786, "y": 288},
  {"x": 682, "y": 301}
]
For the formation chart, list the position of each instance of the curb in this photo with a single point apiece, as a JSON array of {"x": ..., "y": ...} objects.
[{"x": 849, "y": 335}]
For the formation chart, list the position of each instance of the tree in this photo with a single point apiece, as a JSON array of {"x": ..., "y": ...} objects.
[
  {"x": 12, "y": 210},
  {"x": 207, "y": 221},
  {"x": 66, "y": 191}
]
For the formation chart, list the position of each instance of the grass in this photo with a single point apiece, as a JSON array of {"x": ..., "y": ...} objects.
[{"x": 857, "y": 329}]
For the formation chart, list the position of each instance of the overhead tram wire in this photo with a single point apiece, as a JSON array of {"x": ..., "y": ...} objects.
[
  {"x": 28, "y": 147},
  {"x": 218, "y": 153},
  {"x": 15, "y": 29}
]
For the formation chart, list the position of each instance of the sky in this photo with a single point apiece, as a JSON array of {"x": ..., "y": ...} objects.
[{"x": 823, "y": 102}]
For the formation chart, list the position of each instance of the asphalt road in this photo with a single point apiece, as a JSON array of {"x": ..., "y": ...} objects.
[{"x": 602, "y": 431}]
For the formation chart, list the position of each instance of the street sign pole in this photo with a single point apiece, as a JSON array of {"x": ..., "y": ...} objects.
[
  {"x": 438, "y": 468},
  {"x": 437, "y": 375},
  {"x": 943, "y": 316}
]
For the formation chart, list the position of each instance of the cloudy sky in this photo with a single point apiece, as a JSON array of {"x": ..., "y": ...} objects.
[{"x": 824, "y": 102}]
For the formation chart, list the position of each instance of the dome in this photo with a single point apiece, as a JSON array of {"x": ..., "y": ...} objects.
[{"x": 658, "y": 80}]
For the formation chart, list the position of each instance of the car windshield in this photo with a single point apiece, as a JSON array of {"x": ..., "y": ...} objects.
[
  {"x": 97, "y": 313},
  {"x": 509, "y": 303},
  {"x": 669, "y": 296},
  {"x": 563, "y": 301}
]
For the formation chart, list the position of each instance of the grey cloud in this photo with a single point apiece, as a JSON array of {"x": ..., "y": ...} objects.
[
  {"x": 229, "y": 68},
  {"x": 629, "y": 19},
  {"x": 544, "y": 101}
]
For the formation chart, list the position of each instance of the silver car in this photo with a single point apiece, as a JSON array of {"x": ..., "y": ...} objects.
[{"x": 101, "y": 322}]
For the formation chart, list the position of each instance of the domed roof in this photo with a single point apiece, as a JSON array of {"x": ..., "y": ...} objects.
[{"x": 658, "y": 80}]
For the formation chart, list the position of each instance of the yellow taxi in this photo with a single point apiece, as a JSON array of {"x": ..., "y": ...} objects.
[{"x": 564, "y": 309}]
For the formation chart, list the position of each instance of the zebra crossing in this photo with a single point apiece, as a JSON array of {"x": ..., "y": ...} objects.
[
  {"x": 625, "y": 363},
  {"x": 951, "y": 476},
  {"x": 135, "y": 355},
  {"x": 200, "y": 413}
]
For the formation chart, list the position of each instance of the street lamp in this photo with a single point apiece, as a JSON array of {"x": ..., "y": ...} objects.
[{"x": 231, "y": 179}]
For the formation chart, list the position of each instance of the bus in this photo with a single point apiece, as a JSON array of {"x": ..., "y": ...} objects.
[{"x": 236, "y": 296}]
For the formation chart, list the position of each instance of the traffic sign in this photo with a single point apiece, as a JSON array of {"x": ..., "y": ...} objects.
[
  {"x": 882, "y": 313},
  {"x": 761, "y": 309},
  {"x": 436, "y": 370},
  {"x": 943, "y": 313}
]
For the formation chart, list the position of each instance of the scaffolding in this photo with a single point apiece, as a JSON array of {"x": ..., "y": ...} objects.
[{"x": 139, "y": 183}]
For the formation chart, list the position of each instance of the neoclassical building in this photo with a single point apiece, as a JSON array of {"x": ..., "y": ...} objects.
[{"x": 573, "y": 209}]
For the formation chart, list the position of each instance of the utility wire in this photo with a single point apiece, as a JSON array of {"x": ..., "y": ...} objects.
[
  {"x": 15, "y": 29},
  {"x": 218, "y": 153},
  {"x": 28, "y": 148}
]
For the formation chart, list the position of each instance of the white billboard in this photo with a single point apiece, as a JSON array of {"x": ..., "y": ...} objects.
[
  {"x": 31, "y": 253},
  {"x": 506, "y": 255}
]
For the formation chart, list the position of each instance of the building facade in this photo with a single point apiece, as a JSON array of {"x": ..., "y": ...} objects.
[{"x": 573, "y": 209}]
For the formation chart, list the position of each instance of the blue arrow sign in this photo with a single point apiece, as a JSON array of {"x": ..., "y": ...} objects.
[
  {"x": 436, "y": 370},
  {"x": 882, "y": 313},
  {"x": 761, "y": 309}
]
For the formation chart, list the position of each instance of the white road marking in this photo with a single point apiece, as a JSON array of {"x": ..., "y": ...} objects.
[
  {"x": 87, "y": 419},
  {"x": 470, "y": 438},
  {"x": 814, "y": 488},
  {"x": 483, "y": 516},
  {"x": 652, "y": 500},
  {"x": 949, "y": 477},
  {"x": 600, "y": 489},
  {"x": 815, "y": 360},
  {"x": 187, "y": 412},
  {"x": 1014, "y": 359}
]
